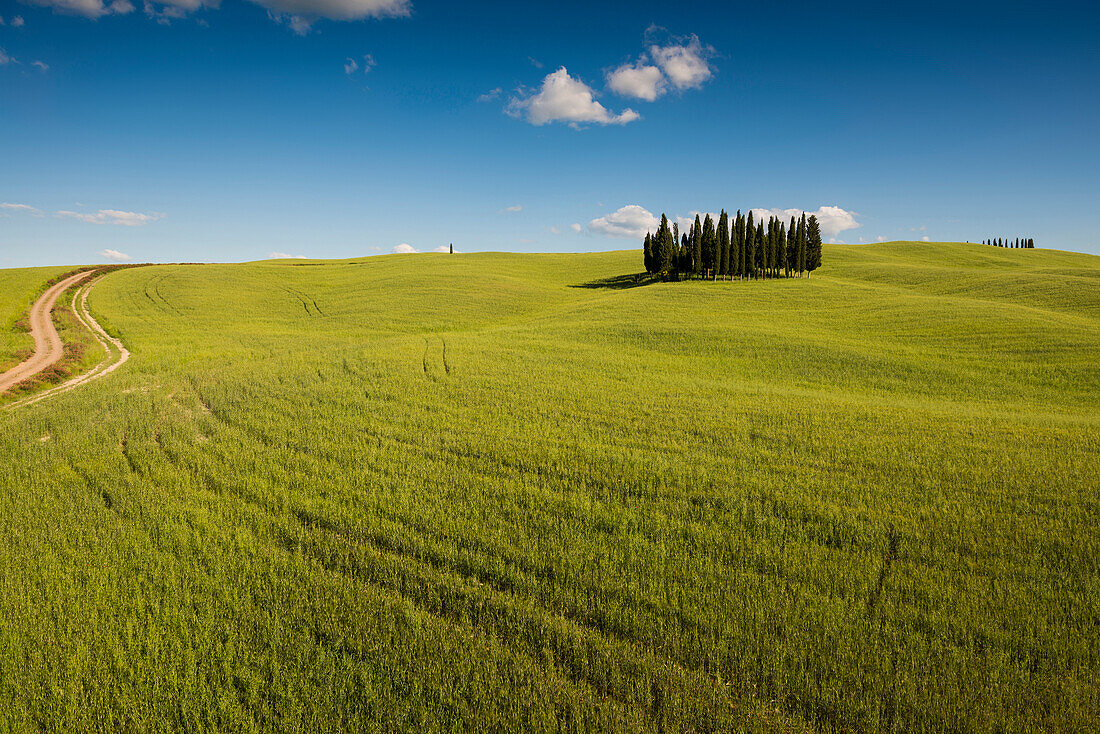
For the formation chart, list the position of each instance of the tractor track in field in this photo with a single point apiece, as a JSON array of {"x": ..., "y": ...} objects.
[{"x": 49, "y": 348}]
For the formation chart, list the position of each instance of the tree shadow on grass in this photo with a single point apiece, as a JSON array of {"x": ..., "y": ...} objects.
[{"x": 620, "y": 282}]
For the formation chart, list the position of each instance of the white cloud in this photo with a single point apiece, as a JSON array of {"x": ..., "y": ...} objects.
[
  {"x": 301, "y": 14},
  {"x": 165, "y": 11},
  {"x": 17, "y": 21},
  {"x": 87, "y": 8},
  {"x": 41, "y": 65},
  {"x": 5, "y": 59},
  {"x": 513, "y": 208},
  {"x": 284, "y": 256},
  {"x": 114, "y": 255},
  {"x": 565, "y": 99},
  {"x": 576, "y": 227},
  {"x": 926, "y": 238},
  {"x": 350, "y": 66},
  {"x": 833, "y": 219},
  {"x": 639, "y": 80},
  {"x": 441, "y": 248},
  {"x": 404, "y": 249},
  {"x": 880, "y": 238},
  {"x": 112, "y": 216},
  {"x": 631, "y": 221},
  {"x": 21, "y": 208},
  {"x": 490, "y": 95},
  {"x": 685, "y": 64}
]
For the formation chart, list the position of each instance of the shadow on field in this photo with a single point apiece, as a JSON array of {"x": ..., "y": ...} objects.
[{"x": 620, "y": 282}]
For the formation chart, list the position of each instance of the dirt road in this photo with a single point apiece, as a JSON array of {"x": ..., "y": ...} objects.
[
  {"x": 47, "y": 344},
  {"x": 117, "y": 354}
]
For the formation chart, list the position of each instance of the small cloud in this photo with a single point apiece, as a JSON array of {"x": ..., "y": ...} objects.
[
  {"x": 629, "y": 222},
  {"x": 88, "y": 8},
  {"x": 576, "y": 227},
  {"x": 284, "y": 256},
  {"x": 513, "y": 208},
  {"x": 490, "y": 95},
  {"x": 17, "y": 21},
  {"x": 22, "y": 208},
  {"x": 114, "y": 255},
  {"x": 300, "y": 15},
  {"x": 535, "y": 62},
  {"x": 640, "y": 80},
  {"x": 350, "y": 65},
  {"x": 5, "y": 59},
  {"x": 926, "y": 238},
  {"x": 561, "y": 98},
  {"x": 555, "y": 230},
  {"x": 686, "y": 63},
  {"x": 880, "y": 238},
  {"x": 441, "y": 248},
  {"x": 112, "y": 216},
  {"x": 404, "y": 249},
  {"x": 42, "y": 66}
]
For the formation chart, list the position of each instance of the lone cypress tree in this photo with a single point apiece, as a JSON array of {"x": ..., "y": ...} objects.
[
  {"x": 813, "y": 244},
  {"x": 723, "y": 243},
  {"x": 647, "y": 252},
  {"x": 697, "y": 245},
  {"x": 737, "y": 244},
  {"x": 452, "y": 250}
]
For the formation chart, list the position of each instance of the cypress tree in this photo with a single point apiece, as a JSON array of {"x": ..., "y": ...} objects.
[
  {"x": 750, "y": 247},
  {"x": 647, "y": 249},
  {"x": 1031, "y": 243},
  {"x": 802, "y": 244},
  {"x": 813, "y": 244},
  {"x": 666, "y": 251},
  {"x": 676, "y": 233},
  {"x": 697, "y": 245},
  {"x": 723, "y": 243},
  {"x": 792, "y": 245},
  {"x": 452, "y": 250},
  {"x": 784, "y": 265},
  {"x": 761, "y": 243},
  {"x": 735, "y": 224},
  {"x": 710, "y": 242}
]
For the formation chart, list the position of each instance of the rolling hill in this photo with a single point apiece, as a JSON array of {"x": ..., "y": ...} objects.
[{"x": 525, "y": 493}]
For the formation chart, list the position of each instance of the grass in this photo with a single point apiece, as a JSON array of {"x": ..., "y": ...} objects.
[
  {"x": 19, "y": 288},
  {"x": 441, "y": 492}
]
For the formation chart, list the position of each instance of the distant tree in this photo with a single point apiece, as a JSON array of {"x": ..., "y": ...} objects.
[
  {"x": 801, "y": 237},
  {"x": 761, "y": 243},
  {"x": 783, "y": 266},
  {"x": 735, "y": 247},
  {"x": 647, "y": 252},
  {"x": 666, "y": 249},
  {"x": 723, "y": 243},
  {"x": 710, "y": 242},
  {"x": 685, "y": 247},
  {"x": 750, "y": 247},
  {"x": 697, "y": 246},
  {"x": 813, "y": 244},
  {"x": 1031, "y": 243},
  {"x": 452, "y": 250},
  {"x": 676, "y": 233}
]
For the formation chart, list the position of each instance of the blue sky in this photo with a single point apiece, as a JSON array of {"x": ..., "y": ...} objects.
[{"x": 193, "y": 130}]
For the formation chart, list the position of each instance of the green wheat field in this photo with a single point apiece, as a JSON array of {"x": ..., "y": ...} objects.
[{"x": 498, "y": 492}]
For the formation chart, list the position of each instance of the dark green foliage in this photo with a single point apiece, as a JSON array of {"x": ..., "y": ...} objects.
[
  {"x": 723, "y": 243},
  {"x": 647, "y": 249},
  {"x": 697, "y": 245},
  {"x": 666, "y": 249},
  {"x": 710, "y": 246},
  {"x": 761, "y": 245},
  {"x": 813, "y": 244},
  {"x": 750, "y": 245}
]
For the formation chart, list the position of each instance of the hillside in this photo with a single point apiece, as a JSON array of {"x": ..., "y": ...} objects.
[{"x": 515, "y": 492}]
